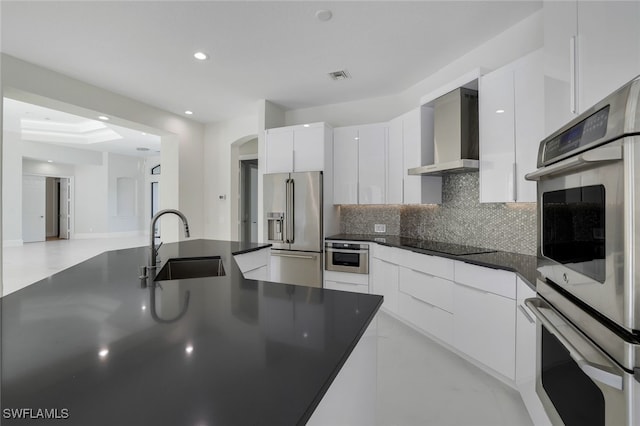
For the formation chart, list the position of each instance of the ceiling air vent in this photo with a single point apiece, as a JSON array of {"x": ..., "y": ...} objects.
[{"x": 339, "y": 75}]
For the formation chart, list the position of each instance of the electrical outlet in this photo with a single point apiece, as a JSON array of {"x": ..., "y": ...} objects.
[{"x": 380, "y": 227}]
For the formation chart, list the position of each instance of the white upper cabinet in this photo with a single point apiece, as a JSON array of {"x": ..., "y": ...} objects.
[
  {"x": 395, "y": 162},
  {"x": 360, "y": 164},
  {"x": 511, "y": 113},
  {"x": 591, "y": 49},
  {"x": 296, "y": 148},
  {"x": 279, "y": 151},
  {"x": 372, "y": 146},
  {"x": 345, "y": 165},
  {"x": 411, "y": 135},
  {"x": 608, "y": 48}
]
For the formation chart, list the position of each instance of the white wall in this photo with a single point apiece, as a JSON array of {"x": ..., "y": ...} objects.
[
  {"x": 58, "y": 154},
  {"x": 123, "y": 166},
  {"x": 182, "y": 139},
  {"x": 12, "y": 190},
  {"x": 219, "y": 138},
  {"x": 91, "y": 202},
  {"x": 522, "y": 38},
  {"x": 42, "y": 168}
]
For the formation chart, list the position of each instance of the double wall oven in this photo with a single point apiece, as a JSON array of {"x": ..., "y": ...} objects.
[{"x": 588, "y": 285}]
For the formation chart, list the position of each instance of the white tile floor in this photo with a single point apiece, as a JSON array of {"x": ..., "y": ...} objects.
[
  {"x": 419, "y": 382},
  {"x": 32, "y": 262}
]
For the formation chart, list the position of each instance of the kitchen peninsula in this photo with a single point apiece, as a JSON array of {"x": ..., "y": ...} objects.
[{"x": 218, "y": 350}]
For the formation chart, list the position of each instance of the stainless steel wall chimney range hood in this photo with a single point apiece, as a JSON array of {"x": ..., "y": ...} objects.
[{"x": 455, "y": 136}]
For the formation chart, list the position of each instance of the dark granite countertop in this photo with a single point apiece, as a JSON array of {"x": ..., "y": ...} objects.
[
  {"x": 216, "y": 351},
  {"x": 524, "y": 265}
]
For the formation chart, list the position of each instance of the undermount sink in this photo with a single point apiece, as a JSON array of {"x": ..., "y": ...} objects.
[{"x": 191, "y": 267}]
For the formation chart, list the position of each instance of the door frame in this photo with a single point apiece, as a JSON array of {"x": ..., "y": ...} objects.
[
  {"x": 72, "y": 200},
  {"x": 242, "y": 187}
]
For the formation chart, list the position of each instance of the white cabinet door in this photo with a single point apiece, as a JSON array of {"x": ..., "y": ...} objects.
[
  {"x": 308, "y": 148},
  {"x": 560, "y": 26},
  {"x": 608, "y": 48},
  {"x": 279, "y": 151},
  {"x": 345, "y": 165},
  {"x": 384, "y": 281},
  {"x": 529, "y": 122},
  {"x": 497, "y": 136},
  {"x": 372, "y": 177},
  {"x": 395, "y": 169},
  {"x": 484, "y": 328},
  {"x": 511, "y": 109}
]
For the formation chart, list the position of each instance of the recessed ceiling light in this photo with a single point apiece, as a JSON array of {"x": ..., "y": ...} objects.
[
  {"x": 49, "y": 161},
  {"x": 103, "y": 118},
  {"x": 103, "y": 353},
  {"x": 499, "y": 111},
  {"x": 188, "y": 349},
  {"x": 201, "y": 56},
  {"x": 188, "y": 112},
  {"x": 144, "y": 134},
  {"x": 305, "y": 125},
  {"x": 324, "y": 15}
]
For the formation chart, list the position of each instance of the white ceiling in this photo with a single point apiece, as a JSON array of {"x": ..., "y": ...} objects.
[
  {"x": 258, "y": 50},
  {"x": 44, "y": 125}
]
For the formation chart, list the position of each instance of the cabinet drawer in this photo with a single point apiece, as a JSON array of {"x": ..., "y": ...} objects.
[
  {"x": 427, "y": 288},
  {"x": 346, "y": 286},
  {"x": 388, "y": 254},
  {"x": 426, "y": 317},
  {"x": 495, "y": 281},
  {"x": 432, "y": 265}
]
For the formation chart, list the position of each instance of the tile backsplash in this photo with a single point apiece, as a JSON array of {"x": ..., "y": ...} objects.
[{"x": 460, "y": 219}]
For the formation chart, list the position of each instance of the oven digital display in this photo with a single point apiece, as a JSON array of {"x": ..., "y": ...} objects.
[
  {"x": 588, "y": 130},
  {"x": 573, "y": 229}
]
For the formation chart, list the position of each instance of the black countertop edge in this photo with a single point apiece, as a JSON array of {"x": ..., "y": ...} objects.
[
  {"x": 347, "y": 353},
  {"x": 522, "y": 264},
  {"x": 250, "y": 249}
]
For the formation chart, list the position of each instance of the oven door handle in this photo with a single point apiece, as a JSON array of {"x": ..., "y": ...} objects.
[
  {"x": 594, "y": 371},
  {"x": 347, "y": 251},
  {"x": 588, "y": 158}
]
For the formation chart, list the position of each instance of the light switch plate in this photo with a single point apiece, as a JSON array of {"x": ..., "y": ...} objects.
[{"x": 380, "y": 227}]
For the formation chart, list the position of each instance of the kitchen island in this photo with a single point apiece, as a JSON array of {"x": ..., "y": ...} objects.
[{"x": 88, "y": 344}]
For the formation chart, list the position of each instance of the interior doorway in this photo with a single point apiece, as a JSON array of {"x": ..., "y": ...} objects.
[
  {"x": 249, "y": 200},
  {"x": 46, "y": 208}
]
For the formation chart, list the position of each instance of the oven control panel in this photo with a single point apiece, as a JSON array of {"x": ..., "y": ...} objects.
[{"x": 588, "y": 130}]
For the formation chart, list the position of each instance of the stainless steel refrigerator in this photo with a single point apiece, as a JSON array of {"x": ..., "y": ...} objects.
[{"x": 293, "y": 225}]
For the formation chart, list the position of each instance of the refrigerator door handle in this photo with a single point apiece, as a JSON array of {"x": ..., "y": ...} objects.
[{"x": 290, "y": 207}]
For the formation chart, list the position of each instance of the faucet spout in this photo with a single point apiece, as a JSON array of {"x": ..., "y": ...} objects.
[{"x": 154, "y": 219}]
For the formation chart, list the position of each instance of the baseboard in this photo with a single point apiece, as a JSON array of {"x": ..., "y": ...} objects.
[{"x": 12, "y": 243}]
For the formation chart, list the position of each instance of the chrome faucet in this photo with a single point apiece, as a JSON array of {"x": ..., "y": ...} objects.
[{"x": 152, "y": 246}]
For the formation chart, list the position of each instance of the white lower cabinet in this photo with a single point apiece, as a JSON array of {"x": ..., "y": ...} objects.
[
  {"x": 426, "y": 301},
  {"x": 384, "y": 281},
  {"x": 254, "y": 265},
  {"x": 484, "y": 328},
  {"x": 345, "y": 281}
]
